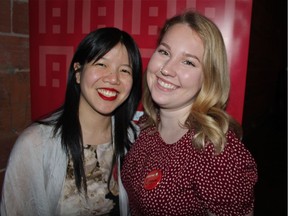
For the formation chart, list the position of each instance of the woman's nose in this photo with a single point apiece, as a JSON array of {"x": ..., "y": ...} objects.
[
  {"x": 168, "y": 69},
  {"x": 112, "y": 78}
]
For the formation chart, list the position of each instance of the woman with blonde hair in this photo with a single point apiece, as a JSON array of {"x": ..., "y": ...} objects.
[{"x": 189, "y": 158}]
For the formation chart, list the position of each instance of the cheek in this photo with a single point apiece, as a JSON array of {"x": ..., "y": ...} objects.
[
  {"x": 192, "y": 80},
  {"x": 154, "y": 64},
  {"x": 89, "y": 77},
  {"x": 153, "y": 68},
  {"x": 127, "y": 84}
]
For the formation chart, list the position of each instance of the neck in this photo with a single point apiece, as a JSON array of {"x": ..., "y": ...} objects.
[
  {"x": 171, "y": 125},
  {"x": 96, "y": 128}
]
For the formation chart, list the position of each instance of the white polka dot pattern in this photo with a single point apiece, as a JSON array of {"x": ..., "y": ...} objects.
[{"x": 193, "y": 181}]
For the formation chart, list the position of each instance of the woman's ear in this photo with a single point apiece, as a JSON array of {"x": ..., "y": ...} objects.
[{"x": 77, "y": 68}]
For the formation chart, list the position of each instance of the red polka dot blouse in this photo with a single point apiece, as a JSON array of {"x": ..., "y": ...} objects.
[{"x": 176, "y": 179}]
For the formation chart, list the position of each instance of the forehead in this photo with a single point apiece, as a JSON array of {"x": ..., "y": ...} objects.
[
  {"x": 118, "y": 52},
  {"x": 182, "y": 31},
  {"x": 183, "y": 38}
]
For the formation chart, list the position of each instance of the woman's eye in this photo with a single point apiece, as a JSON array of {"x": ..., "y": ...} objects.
[
  {"x": 126, "y": 71},
  {"x": 189, "y": 63},
  {"x": 100, "y": 64},
  {"x": 163, "y": 52}
]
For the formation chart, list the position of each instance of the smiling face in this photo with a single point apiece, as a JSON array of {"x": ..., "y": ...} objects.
[
  {"x": 106, "y": 83},
  {"x": 174, "y": 72}
]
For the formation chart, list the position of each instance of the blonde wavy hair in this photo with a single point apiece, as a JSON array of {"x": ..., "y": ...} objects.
[{"x": 208, "y": 117}]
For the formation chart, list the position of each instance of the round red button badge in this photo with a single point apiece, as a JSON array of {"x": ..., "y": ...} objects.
[{"x": 152, "y": 179}]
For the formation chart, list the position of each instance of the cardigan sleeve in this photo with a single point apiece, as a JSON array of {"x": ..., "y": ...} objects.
[{"x": 24, "y": 186}]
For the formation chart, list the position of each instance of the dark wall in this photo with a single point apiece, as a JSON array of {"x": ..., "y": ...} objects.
[{"x": 265, "y": 106}]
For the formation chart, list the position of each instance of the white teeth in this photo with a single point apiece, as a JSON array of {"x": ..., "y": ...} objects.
[
  {"x": 107, "y": 93},
  {"x": 166, "y": 85}
]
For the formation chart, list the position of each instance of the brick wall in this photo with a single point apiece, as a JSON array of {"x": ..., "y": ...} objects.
[{"x": 14, "y": 75}]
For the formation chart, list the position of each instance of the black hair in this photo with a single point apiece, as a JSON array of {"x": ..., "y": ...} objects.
[{"x": 94, "y": 46}]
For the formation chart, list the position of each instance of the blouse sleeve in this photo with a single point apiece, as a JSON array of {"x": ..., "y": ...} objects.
[
  {"x": 24, "y": 184},
  {"x": 226, "y": 187}
]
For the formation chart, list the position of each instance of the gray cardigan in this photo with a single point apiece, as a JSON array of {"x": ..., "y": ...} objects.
[{"x": 35, "y": 175}]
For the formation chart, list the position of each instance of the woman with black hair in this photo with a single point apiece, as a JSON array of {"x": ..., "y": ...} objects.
[{"x": 69, "y": 162}]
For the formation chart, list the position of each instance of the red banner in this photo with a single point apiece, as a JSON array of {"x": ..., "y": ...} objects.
[{"x": 57, "y": 26}]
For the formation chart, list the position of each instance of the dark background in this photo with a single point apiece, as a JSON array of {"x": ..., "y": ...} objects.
[{"x": 265, "y": 106}]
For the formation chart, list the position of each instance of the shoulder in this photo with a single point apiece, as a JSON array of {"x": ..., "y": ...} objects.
[
  {"x": 234, "y": 155},
  {"x": 34, "y": 149},
  {"x": 234, "y": 166},
  {"x": 236, "y": 150},
  {"x": 226, "y": 180},
  {"x": 35, "y": 134},
  {"x": 34, "y": 139}
]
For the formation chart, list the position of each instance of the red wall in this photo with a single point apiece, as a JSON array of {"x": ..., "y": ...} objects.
[{"x": 56, "y": 28}]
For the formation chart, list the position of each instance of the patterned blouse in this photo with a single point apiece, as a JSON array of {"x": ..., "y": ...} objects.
[
  {"x": 176, "y": 179},
  {"x": 97, "y": 168}
]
